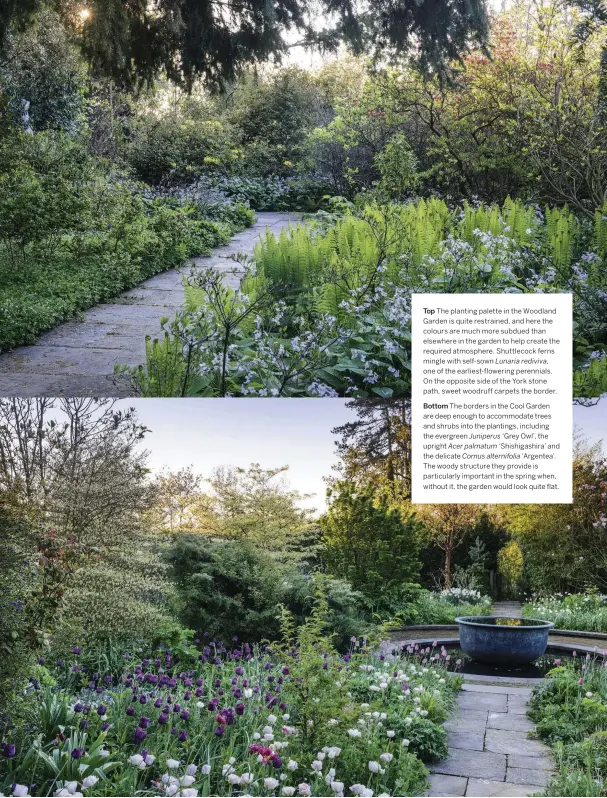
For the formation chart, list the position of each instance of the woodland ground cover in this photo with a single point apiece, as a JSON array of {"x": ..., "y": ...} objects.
[
  {"x": 73, "y": 234},
  {"x": 324, "y": 310}
]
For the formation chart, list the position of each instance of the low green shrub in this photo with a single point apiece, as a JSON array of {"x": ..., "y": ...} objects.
[
  {"x": 444, "y": 607},
  {"x": 586, "y": 612},
  {"x": 73, "y": 235},
  {"x": 570, "y": 713},
  {"x": 233, "y": 588},
  {"x": 298, "y": 193},
  {"x": 172, "y": 149}
]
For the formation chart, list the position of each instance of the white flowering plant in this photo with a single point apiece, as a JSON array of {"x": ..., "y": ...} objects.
[
  {"x": 569, "y": 708},
  {"x": 580, "y": 611},
  {"x": 324, "y": 310}
]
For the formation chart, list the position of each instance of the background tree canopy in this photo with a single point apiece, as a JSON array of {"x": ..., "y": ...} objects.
[{"x": 134, "y": 41}]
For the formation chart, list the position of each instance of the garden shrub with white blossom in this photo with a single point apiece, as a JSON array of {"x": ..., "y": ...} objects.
[
  {"x": 324, "y": 310},
  {"x": 207, "y": 718},
  {"x": 445, "y": 606}
]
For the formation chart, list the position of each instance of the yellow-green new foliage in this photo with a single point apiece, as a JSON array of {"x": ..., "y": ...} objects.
[
  {"x": 562, "y": 231},
  {"x": 404, "y": 236}
]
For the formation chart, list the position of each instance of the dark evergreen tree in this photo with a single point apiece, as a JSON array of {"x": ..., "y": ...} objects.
[
  {"x": 375, "y": 450},
  {"x": 132, "y": 41}
]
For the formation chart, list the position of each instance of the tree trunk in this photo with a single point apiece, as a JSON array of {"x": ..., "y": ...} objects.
[{"x": 448, "y": 575}]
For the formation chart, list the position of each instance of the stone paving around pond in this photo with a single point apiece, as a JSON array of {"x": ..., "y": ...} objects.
[
  {"x": 77, "y": 358},
  {"x": 490, "y": 753}
]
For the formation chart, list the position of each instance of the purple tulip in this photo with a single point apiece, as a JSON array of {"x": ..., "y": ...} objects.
[{"x": 8, "y": 750}]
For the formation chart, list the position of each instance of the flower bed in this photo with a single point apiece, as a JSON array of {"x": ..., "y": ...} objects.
[
  {"x": 586, "y": 612},
  {"x": 211, "y": 720},
  {"x": 325, "y": 310},
  {"x": 570, "y": 710}
]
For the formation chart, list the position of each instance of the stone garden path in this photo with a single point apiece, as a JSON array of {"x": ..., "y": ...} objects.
[
  {"x": 490, "y": 753},
  {"x": 77, "y": 358}
]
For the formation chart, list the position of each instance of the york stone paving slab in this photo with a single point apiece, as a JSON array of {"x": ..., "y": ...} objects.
[
  {"x": 532, "y": 776},
  {"x": 530, "y": 762},
  {"x": 473, "y": 741},
  {"x": 483, "y": 788},
  {"x": 63, "y": 385},
  {"x": 61, "y": 360},
  {"x": 492, "y": 702},
  {"x": 469, "y": 720},
  {"x": 478, "y": 764},
  {"x": 517, "y": 706},
  {"x": 489, "y": 747},
  {"x": 77, "y": 358},
  {"x": 501, "y": 741},
  {"x": 509, "y": 721},
  {"x": 522, "y": 693},
  {"x": 446, "y": 785}
]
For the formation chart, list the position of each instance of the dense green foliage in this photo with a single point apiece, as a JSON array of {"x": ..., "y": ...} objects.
[
  {"x": 325, "y": 310},
  {"x": 231, "y": 588},
  {"x": 569, "y": 710},
  {"x": 73, "y": 235},
  {"x": 371, "y": 546},
  {"x": 562, "y": 544}
]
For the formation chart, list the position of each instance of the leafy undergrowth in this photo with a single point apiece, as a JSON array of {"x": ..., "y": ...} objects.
[
  {"x": 73, "y": 234},
  {"x": 324, "y": 310},
  {"x": 445, "y": 606},
  {"x": 569, "y": 708},
  {"x": 585, "y": 612}
]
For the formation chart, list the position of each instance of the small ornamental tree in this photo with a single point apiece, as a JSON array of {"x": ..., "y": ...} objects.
[
  {"x": 370, "y": 545},
  {"x": 447, "y": 526}
]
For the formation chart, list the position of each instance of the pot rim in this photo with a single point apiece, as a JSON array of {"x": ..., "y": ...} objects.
[{"x": 540, "y": 623}]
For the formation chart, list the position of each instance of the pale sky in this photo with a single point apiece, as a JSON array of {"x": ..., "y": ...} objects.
[{"x": 206, "y": 433}]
